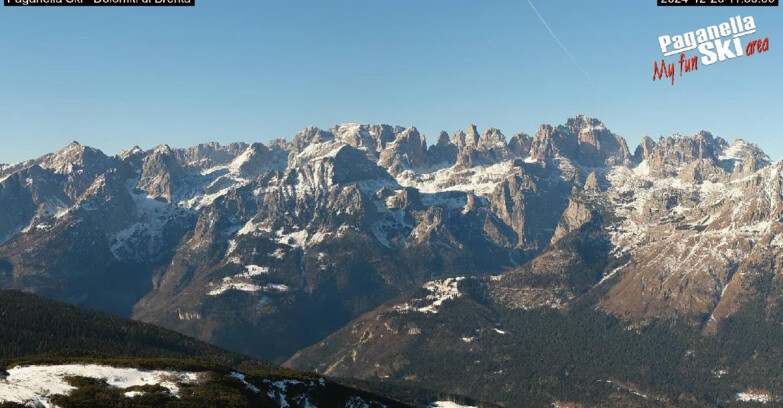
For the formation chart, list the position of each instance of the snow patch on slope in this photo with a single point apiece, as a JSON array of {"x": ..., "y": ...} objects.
[
  {"x": 753, "y": 396},
  {"x": 448, "y": 404},
  {"x": 144, "y": 239},
  {"x": 229, "y": 284},
  {"x": 440, "y": 292},
  {"x": 241, "y": 377},
  {"x": 36, "y": 384},
  {"x": 479, "y": 180},
  {"x": 278, "y": 391},
  {"x": 244, "y": 282}
]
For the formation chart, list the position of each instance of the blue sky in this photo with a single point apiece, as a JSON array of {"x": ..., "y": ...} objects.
[{"x": 254, "y": 70}]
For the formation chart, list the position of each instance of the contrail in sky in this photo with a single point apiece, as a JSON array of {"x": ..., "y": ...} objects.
[{"x": 540, "y": 17}]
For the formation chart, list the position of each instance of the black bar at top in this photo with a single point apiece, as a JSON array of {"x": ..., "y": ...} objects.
[
  {"x": 718, "y": 3},
  {"x": 98, "y": 3}
]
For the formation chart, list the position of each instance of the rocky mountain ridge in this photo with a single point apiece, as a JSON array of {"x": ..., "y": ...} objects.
[
  {"x": 266, "y": 249},
  {"x": 680, "y": 240}
]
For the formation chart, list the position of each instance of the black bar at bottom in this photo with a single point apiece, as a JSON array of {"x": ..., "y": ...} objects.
[
  {"x": 718, "y": 3},
  {"x": 97, "y": 3}
]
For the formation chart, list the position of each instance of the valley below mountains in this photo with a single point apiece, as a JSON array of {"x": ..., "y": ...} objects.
[{"x": 559, "y": 269}]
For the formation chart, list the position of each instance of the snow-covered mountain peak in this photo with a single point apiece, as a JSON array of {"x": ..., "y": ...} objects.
[
  {"x": 308, "y": 136},
  {"x": 73, "y": 157},
  {"x": 744, "y": 157},
  {"x": 584, "y": 141},
  {"x": 133, "y": 151},
  {"x": 162, "y": 149},
  {"x": 371, "y": 138},
  {"x": 320, "y": 151},
  {"x": 582, "y": 123},
  {"x": 69, "y": 151}
]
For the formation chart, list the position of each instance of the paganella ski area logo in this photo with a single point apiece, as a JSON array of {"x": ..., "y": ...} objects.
[{"x": 716, "y": 43}]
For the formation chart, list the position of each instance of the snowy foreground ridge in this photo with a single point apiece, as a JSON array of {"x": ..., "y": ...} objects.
[
  {"x": 448, "y": 404},
  {"x": 34, "y": 385}
]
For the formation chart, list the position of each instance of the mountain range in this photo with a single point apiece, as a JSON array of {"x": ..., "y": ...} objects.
[{"x": 559, "y": 268}]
